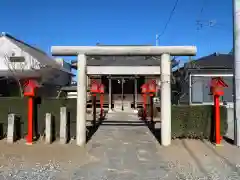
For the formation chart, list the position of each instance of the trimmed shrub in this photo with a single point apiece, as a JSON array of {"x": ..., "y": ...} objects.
[
  {"x": 187, "y": 121},
  {"x": 14, "y": 105},
  {"x": 19, "y": 106},
  {"x": 196, "y": 122},
  {"x": 53, "y": 106},
  {"x": 155, "y": 112}
]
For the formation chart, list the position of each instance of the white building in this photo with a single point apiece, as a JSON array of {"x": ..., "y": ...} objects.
[{"x": 20, "y": 61}]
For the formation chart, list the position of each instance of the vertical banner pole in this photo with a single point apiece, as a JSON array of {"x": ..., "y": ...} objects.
[
  {"x": 30, "y": 121},
  {"x": 217, "y": 120},
  {"x": 101, "y": 101}
]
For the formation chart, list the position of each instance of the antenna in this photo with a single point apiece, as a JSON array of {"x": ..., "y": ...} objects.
[{"x": 157, "y": 39}]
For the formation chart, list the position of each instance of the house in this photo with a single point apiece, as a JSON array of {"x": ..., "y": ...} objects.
[
  {"x": 20, "y": 61},
  {"x": 192, "y": 82}
]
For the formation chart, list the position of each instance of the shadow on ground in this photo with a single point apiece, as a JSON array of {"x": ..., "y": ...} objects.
[
  {"x": 92, "y": 129},
  {"x": 122, "y": 123},
  {"x": 156, "y": 131},
  {"x": 157, "y": 134},
  {"x": 228, "y": 140}
]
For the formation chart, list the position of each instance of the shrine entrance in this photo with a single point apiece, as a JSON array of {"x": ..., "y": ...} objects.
[
  {"x": 165, "y": 53},
  {"x": 122, "y": 92}
]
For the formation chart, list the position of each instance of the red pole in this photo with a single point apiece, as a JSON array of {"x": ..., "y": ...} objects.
[
  {"x": 94, "y": 108},
  {"x": 30, "y": 120},
  {"x": 144, "y": 105},
  {"x": 151, "y": 104},
  {"x": 101, "y": 104},
  {"x": 217, "y": 119}
]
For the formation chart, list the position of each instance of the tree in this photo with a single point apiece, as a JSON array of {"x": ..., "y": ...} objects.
[{"x": 15, "y": 64}]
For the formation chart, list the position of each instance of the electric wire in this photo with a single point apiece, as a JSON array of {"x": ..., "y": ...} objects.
[{"x": 169, "y": 19}]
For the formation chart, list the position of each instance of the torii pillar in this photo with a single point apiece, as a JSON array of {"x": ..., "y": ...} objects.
[
  {"x": 81, "y": 100},
  {"x": 165, "y": 51}
]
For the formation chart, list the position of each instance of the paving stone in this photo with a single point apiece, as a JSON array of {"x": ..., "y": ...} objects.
[{"x": 125, "y": 148}]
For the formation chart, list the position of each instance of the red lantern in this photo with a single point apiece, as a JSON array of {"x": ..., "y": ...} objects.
[
  {"x": 152, "y": 86},
  {"x": 29, "y": 88},
  {"x": 101, "y": 88},
  {"x": 217, "y": 86},
  {"x": 94, "y": 87},
  {"x": 144, "y": 88}
]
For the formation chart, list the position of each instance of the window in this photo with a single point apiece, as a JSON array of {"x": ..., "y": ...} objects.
[
  {"x": 228, "y": 91},
  {"x": 200, "y": 91},
  {"x": 197, "y": 90},
  {"x": 17, "y": 59}
]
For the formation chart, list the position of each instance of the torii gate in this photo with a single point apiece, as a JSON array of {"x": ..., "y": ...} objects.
[{"x": 164, "y": 51}]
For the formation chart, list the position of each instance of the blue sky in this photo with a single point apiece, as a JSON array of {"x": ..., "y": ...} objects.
[{"x": 86, "y": 22}]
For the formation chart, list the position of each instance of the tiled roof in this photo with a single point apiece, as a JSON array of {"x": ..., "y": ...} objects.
[
  {"x": 214, "y": 61},
  {"x": 123, "y": 61}
]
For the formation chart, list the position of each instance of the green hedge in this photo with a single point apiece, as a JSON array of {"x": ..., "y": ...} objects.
[
  {"x": 19, "y": 106},
  {"x": 196, "y": 122},
  {"x": 187, "y": 121},
  {"x": 53, "y": 106}
]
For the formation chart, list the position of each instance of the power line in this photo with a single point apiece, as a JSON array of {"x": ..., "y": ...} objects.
[
  {"x": 202, "y": 8},
  {"x": 200, "y": 23},
  {"x": 169, "y": 19},
  {"x": 208, "y": 23}
]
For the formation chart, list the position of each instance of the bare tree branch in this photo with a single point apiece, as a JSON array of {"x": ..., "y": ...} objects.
[{"x": 12, "y": 68}]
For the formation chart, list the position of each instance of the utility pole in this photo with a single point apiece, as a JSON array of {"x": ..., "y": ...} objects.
[
  {"x": 236, "y": 52},
  {"x": 157, "y": 37}
]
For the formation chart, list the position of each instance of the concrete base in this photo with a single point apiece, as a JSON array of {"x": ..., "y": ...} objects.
[
  {"x": 110, "y": 111},
  {"x": 29, "y": 144},
  {"x": 218, "y": 145},
  {"x": 135, "y": 111}
]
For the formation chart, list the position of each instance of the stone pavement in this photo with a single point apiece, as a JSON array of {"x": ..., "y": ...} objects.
[{"x": 125, "y": 149}]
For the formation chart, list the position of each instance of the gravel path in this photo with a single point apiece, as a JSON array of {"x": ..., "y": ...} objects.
[{"x": 122, "y": 148}]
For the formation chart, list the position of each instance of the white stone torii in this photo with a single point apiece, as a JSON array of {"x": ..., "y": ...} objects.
[{"x": 165, "y": 51}]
